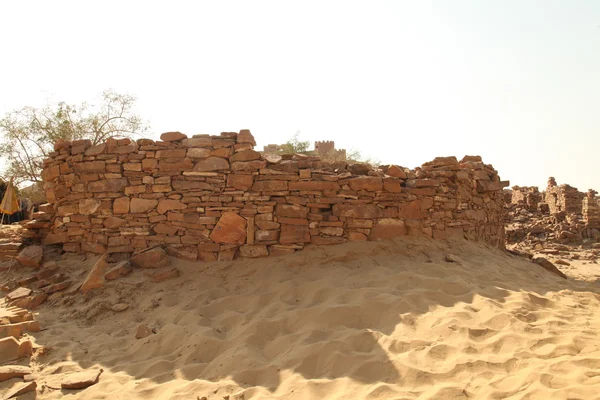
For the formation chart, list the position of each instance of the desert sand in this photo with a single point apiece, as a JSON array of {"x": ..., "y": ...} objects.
[{"x": 403, "y": 319}]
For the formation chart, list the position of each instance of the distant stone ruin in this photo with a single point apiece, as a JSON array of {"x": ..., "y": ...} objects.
[
  {"x": 528, "y": 196},
  {"x": 327, "y": 151},
  {"x": 566, "y": 216},
  {"x": 563, "y": 198},
  {"x": 215, "y": 198}
]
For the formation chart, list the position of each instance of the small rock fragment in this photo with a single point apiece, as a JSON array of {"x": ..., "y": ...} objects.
[
  {"x": 120, "y": 307},
  {"x": 81, "y": 380},
  {"x": 143, "y": 331}
]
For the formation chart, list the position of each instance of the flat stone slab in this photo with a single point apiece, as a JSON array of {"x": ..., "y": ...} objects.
[
  {"x": 81, "y": 380},
  {"x": 21, "y": 389},
  {"x": 13, "y": 371},
  {"x": 18, "y": 293}
]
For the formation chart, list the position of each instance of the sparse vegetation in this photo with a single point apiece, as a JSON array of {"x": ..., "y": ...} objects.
[
  {"x": 27, "y": 135},
  {"x": 294, "y": 145}
]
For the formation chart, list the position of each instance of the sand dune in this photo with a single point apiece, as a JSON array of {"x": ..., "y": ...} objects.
[{"x": 405, "y": 319}]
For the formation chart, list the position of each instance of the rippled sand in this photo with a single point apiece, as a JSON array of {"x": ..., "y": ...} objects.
[{"x": 405, "y": 319}]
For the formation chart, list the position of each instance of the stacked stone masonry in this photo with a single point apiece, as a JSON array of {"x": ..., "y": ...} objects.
[
  {"x": 591, "y": 210},
  {"x": 215, "y": 198},
  {"x": 563, "y": 198},
  {"x": 528, "y": 196}
]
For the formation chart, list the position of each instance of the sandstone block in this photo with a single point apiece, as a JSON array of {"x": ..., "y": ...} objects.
[
  {"x": 246, "y": 137},
  {"x": 90, "y": 167},
  {"x": 332, "y": 231},
  {"x": 114, "y": 222},
  {"x": 211, "y": 164},
  {"x": 31, "y": 256},
  {"x": 165, "y": 229},
  {"x": 240, "y": 182},
  {"x": 368, "y": 183},
  {"x": 13, "y": 371},
  {"x": 197, "y": 142},
  {"x": 122, "y": 268},
  {"x": 97, "y": 248},
  {"x": 81, "y": 380},
  {"x": 149, "y": 164},
  {"x": 21, "y": 389},
  {"x": 264, "y": 236},
  {"x": 547, "y": 265},
  {"x": 392, "y": 185},
  {"x": 196, "y": 152},
  {"x": 96, "y": 150},
  {"x": 18, "y": 294},
  {"x": 9, "y": 349},
  {"x": 188, "y": 253},
  {"x": 137, "y": 166},
  {"x": 174, "y": 153},
  {"x": 357, "y": 237},
  {"x": 366, "y": 211},
  {"x": 320, "y": 241},
  {"x": 294, "y": 234},
  {"x": 248, "y": 155},
  {"x": 89, "y": 206},
  {"x": 267, "y": 225},
  {"x": 141, "y": 206},
  {"x": 51, "y": 173},
  {"x": 172, "y": 136},
  {"x": 254, "y": 251},
  {"x": 314, "y": 185},
  {"x": 169, "y": 205},
  {"x": 95, "y": 278},
  {"x": 411, "y": 210},
  {"x": 270, "y": 186},
  {"x": 183, "y": 165},
  {"x": 231, "y": 229},
  {"x": 152, "y": 258},
  {"x": 108, "y": 185},
  {"x": 396, "y": 171},
  {"x": 248, "y": 165},
  {"x": 291, "y": 211},
  {"x": 387, "y": 228}
]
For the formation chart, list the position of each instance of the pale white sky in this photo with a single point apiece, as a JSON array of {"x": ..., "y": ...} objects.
[{"x": 517, "y": 82}]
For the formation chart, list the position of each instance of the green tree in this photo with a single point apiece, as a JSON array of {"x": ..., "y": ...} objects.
[
  {"x": 28, "y": 135},
  {"x": 294, "y": 145}
]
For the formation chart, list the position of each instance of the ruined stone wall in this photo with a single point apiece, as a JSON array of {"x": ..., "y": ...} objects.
[
  {"x": 214, "y": 197},
  {"x": 529, "y": 196},
  {"x": 563, "y": 198},
  {"x": 591, "y": 210}
]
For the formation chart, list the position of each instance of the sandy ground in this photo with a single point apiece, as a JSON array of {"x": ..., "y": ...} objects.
[{"x": 406, "y": 319}]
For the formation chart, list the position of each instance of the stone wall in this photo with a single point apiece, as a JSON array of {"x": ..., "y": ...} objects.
[
  {"x": 528, "y": 196},
  {"x": 563, "y": 198},
  {"x": 214, "y": 197},
  {"x": 591, "y": 210}
]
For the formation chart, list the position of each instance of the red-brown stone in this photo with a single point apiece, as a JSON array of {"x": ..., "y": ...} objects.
[{"x": 231, "y": 229}]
